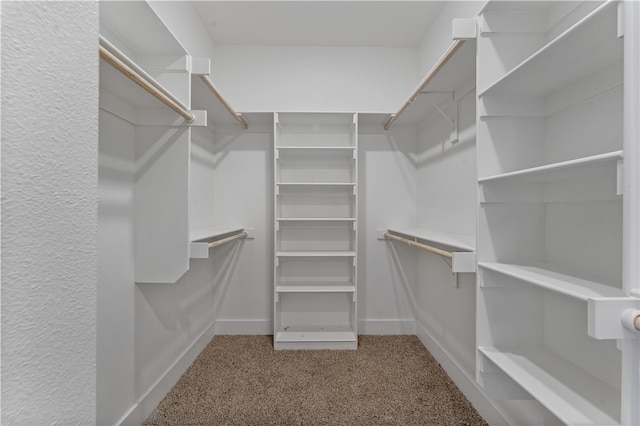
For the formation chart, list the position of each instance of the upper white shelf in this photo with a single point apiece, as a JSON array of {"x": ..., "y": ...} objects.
[
  {"x": 136, "y": 28},
  {"x": 212, "y": 234},
  {"x": 588, "y": 46},
  {"x": 550, "y": 278},
  {"x": 460, "y": 242},
  {"x": 457, "y": 70},
  {"x": 561, "y": 170},
  {"x": 570, "y": 393}
]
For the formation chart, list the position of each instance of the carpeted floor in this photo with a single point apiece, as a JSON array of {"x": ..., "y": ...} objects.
[{"x": 241, "y": 380}]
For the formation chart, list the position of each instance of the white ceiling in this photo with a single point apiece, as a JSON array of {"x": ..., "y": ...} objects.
[{"x": 318, "y": 23}]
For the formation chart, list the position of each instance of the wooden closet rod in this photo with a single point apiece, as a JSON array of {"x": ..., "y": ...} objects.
[
  {"x": 457, "y": 44},
  {"x": 238, "y": 117},
  {"x": 243, "y": 234},
  {"x": 435, "y": 250},
  {"x": 132, "y": 75}
]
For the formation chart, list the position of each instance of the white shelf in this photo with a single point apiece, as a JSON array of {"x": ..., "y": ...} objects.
[
  {"x": 553, "y": 280},
  {"x": 316, "y": 334},
  {"x": 316, "y": 219},
  {"x": 586, "y": 47},
  {"x": 212, "y": 234},
  {"x": 315, "y": 184},
  {"x": 458, "y": 70},
  {"x": 319, "y": 148},
  {"x": 562, "y": 170},
  {"x": 571, "y": 394},
  {"x": 315, "y": 254},
  {"x": 317, "y": 288},
  {"x": 461, "y": 242}
]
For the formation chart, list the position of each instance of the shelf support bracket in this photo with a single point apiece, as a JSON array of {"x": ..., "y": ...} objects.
[{"x": 608, "y": 318}]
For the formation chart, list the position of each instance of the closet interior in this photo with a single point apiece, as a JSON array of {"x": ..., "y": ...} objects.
[{"x": 486, "y": 215}]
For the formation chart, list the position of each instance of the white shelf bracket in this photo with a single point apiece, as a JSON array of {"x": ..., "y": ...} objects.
[
  {"x": 620, "y": 177},
  {"x": 276, "y": 298},
  {"x": 353, "y": 297},
  {"x": 609, "y": 318},
  {"x": 277, "y": 262},
  {"x": 620, "y": 20},
  {"x": 200, "y": 66},
  {"x": 380, "y": 234},
  {"x": 463, "y": 29}
]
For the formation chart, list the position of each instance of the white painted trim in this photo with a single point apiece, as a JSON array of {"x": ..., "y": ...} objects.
[
  {"x": 467, "y": 384},
  {"x": 147, "y": 403},
  {"x": 244, "y": 327},
  {"x": 387, "y": 327}
]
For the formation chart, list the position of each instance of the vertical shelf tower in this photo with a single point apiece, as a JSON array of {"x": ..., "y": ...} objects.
[
  {"x": 315, "y": 231},
  {"x": 550, "y": 236}
]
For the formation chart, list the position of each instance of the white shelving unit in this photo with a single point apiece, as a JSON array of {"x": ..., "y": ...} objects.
[
  {"x": 132, "y": 32},
  {"x": 315, "y": 161},
  {"x": 550, "y": 237}
]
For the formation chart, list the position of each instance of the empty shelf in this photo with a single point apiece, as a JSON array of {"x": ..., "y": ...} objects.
[
  {"x": 316, "y": 219},
  {"x": 315, "y": 336},
  {"x": 321, "y": 148},
  {"x": 571, "y": 394},
  {"x": 211, "y": 234},
  {"x": 554, "y": 280},
  {"x": 461, "y": 242},
  {"x": 316, "y": 254},
  {"x": 315, "y": 184},
  {"x": 318, "y": 288},
  {"x": 588, "y": 46},
  {"x": 562, "y": 170}
]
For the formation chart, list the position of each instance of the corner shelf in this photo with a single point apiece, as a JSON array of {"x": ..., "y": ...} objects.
[
  {"x": 586, "y": 47},
  {"x": 570, "y": 393}
]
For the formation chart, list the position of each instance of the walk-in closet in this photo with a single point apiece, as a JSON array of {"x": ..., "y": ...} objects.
[{"x": 451, "y": 188}]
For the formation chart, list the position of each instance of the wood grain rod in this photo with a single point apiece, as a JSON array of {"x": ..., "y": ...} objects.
[
  {"x": 132, "y": 75},
  {"x": 243, "y": 234},
  {"x": 431, "y": 249},
  {"x": 636, "y": 323},
  {"x": 457, "y": 44},
  {"x": 238, "y": 117}
]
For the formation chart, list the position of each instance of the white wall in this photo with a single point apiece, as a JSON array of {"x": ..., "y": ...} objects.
[
  {"x": 49, "y": 212},
  {"x": 387, "y": 198},
  {"x": 291, "y": 78}
]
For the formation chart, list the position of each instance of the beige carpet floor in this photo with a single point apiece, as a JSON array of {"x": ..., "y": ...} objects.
[{"x": 241, "y": 380}]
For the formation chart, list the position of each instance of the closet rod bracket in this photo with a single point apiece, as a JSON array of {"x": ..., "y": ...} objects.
[{"x": 613, "y": 318}]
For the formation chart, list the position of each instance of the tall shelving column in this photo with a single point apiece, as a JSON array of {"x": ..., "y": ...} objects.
[
  {"x": 315, "y": 231},
  {"x": 550, "y": 226}
]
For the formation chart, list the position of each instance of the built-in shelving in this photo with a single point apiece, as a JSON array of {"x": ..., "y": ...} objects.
[
  {"x": 551, "y": 203},
  {"x": 315, "y": 232},
  {"x": 570, "y": 393},
  {"x": 583, "y": 49}
]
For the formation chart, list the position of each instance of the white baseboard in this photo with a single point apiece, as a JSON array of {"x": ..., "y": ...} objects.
[
  {"x": 243, "y": 327},
  {"x": 145, "y": 406},
  {"x": 386, "y": 327},
  {"x": 461, "y": 378}
]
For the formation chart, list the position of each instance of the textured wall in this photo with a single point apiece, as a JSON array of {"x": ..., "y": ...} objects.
[{"x": 49, "y": 212}]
